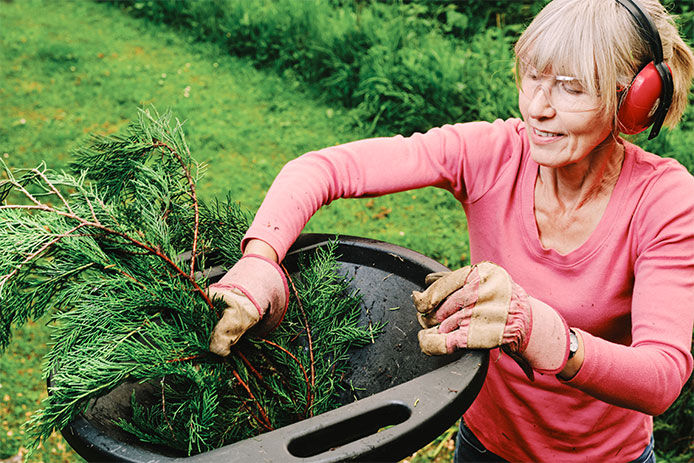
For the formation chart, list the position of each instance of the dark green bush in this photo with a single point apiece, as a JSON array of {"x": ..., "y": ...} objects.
[
  {"x": 398, "y": 64},
  {"x": 463, "y": 19}
]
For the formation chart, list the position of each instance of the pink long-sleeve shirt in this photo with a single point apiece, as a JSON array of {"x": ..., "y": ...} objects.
[{"x": 629, "y": 289}]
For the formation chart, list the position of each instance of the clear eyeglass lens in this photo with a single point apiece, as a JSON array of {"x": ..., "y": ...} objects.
[{"x": 563, "y": 92}]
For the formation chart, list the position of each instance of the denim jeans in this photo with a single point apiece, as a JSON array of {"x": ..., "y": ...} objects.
[{"x": 468, "y": 449}]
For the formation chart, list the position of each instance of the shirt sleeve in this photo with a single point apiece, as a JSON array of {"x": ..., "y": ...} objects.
[
  {"x": 464, "y": 158},
  {"x": 649, "y": 374}
]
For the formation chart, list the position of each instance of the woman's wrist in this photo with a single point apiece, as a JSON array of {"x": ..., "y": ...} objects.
[
  {"x": 260, "y": 247},
  {"x": 573, "y": 365}
]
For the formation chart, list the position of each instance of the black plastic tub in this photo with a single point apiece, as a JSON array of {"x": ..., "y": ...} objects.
[{"x": 406, "y": 399}]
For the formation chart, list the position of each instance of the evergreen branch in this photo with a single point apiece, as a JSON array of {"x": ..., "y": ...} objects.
[
  {"x": 310, "y": 341},
  {"x": 56, "y": 192},
  {"x": 97, "y": 225},
  {"x": 25, "y": 192},
  {"x": 163, "y": 408},
  {"x": 37, "y": 253},
  {"x": 127, "y": 275},
  {"x": 88, "y": 201},
  {"x": 275, "y": 373},
  {"x": 185, "y": 359},
  {"x": 157, "y": 252},
  {"x": 266, "y": 420},
  {"x": 131, "y": 211},
  {"x": 309, "y": 398},
  {"x": 248, "y": 364},
  {"x": 267, "y": 384},
  {"x": 258, "y": 420},
  {"x": 191, "y": 185}
]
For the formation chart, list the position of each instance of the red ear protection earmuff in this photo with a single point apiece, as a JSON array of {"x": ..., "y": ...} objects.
[{"x": 647, "y": 99}]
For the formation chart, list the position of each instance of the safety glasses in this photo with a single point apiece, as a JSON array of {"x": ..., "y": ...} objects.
[{"x": 564, "y": 93}]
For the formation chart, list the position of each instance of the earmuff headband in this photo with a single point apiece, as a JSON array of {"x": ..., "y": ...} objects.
[
  {"x": 648, "y": 29},
  {"x": 650, "y": 33}
]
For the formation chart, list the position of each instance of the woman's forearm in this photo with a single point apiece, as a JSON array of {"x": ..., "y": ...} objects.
[
  {"x": 647, "y": 377},
  {"x": 260, "y": 247}
]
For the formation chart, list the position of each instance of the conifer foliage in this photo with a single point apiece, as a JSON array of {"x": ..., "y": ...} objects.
[{"x": 115, "y": 252}]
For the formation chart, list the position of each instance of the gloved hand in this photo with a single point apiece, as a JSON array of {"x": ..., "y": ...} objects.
[
  {"x": 256, "y": 292},
  {"x": 480, "y": 306}
]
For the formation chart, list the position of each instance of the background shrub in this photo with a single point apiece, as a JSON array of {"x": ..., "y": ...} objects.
[{"x": 405, "y": 66}]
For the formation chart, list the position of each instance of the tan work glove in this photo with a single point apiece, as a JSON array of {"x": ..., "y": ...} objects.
[
  {"x": 479, "y": 306},
  {"x": 256, "y": 293}
]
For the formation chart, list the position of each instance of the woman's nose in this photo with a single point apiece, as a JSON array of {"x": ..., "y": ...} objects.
[{"x": 540, "y": 105}]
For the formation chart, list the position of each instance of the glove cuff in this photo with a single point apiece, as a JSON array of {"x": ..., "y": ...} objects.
[
  {"x": 519, "y": 323},
  {"x": 277, "y": 308},
  {"x": 547, "y": 349},
  {"x": 263, "y": 282}
]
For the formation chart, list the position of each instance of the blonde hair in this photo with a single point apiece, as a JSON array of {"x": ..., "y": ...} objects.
[{"x": 599, "y": 42}]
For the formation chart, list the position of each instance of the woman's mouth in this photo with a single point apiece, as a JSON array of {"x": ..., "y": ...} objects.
[
  {"x": 541, "y": 137},
  {"x": 541, "y": 133}
]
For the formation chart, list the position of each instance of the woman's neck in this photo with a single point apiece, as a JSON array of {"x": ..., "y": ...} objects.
[
  {"x": 570, "y": 201},
  {"x": 575, "y": 185}
]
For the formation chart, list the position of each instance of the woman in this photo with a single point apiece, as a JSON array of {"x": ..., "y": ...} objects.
[{"x": 583, "y": 243}]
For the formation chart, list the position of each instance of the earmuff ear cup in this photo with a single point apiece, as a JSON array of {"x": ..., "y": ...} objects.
[{"x": 638, "y": 107}]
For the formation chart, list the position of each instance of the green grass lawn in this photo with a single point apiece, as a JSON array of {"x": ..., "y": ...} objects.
[{"x": 76, "y": 67}]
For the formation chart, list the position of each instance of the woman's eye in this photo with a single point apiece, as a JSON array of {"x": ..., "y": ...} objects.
[{"x": 572, "y": 87}]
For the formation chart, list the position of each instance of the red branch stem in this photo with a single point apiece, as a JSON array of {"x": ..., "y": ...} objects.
[
  {"x": 163, "y": 408},
  {"x": 309, "y": 395},
  {"x": 250, "y": 394},
  {"x": 258, "y": 420},
  {"x": 184, "y": 359},
  {"x": 255, "y": 372},
  {"x": 191, "y": 185},
  {"x": 308, "y": 331}
]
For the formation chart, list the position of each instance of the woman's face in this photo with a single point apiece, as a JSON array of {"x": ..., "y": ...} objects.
[{"x": 560, "y": 136}]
